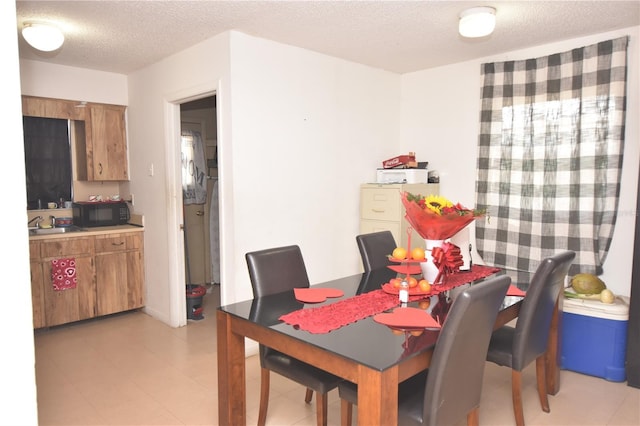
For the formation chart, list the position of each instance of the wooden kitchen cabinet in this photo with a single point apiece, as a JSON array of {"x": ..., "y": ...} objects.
[
  {"x": 381, "y": 209},
  {"x": 69, "y": 305},
  {"x": 109, "y": 270},
  {"x": 119, "y": 272},
  {"x": 102, "y": 144},
  {"x": 99, "y": 132},
  {"x": 34, "y": 106},
  {"x": 37, "y": 282}
]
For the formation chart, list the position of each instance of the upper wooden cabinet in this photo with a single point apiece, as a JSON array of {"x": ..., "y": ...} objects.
[
  {"x": 99, "y": 135},
  {"x": 33, "y": 106},
  {"x": 106, "y": 143}
]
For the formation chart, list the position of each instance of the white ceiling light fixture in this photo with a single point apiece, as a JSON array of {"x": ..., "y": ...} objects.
[
  {"x": 477, "y": 22},
  {"x": 43, "y": 36}
]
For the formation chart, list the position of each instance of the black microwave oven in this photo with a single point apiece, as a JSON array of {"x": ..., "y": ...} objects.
[{"x": 101, "y": 213}]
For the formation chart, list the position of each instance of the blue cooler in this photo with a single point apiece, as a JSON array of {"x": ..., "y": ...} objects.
[{"x": 594, "y": 337}]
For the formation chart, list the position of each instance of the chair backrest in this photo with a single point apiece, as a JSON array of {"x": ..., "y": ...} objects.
[
  {"x": 454, "y": 382},
  {"x": 375, "y": 249},
  {"x": 277, "y": 269},
  {"x": 534, "y": 320}
]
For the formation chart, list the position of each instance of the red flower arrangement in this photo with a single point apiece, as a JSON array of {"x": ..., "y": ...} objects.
[{"x": 435, "y": 217}]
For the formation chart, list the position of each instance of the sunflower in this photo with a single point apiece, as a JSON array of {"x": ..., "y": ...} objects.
[{"x": 436, "y": 203}]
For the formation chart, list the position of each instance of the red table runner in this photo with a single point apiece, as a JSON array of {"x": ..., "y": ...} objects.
[{"x": 325, "y": 318}]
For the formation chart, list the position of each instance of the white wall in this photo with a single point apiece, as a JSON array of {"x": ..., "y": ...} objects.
[
  {"x": 297, "y": 133},
  {"x": 81, "y": 84},
  {"x": 308, "y": 129},
  {"x": 154, "y": 139},
  {"x": 18, "y": 404},
  {"x": 440, "y": 121}
]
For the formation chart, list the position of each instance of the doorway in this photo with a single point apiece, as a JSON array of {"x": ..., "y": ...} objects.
[{"x": 200, "y": 213}]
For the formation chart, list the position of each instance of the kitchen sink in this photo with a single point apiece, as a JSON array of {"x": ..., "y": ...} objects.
[{"x": 49, "y": 231}]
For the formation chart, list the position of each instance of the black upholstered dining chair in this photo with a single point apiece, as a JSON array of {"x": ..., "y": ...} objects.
[
  {"x": 452, "y": 385},
  {"x": 517, "y": 347},
  {"x": 273, "y": 271},
  {"x": 375, "y": 249}
]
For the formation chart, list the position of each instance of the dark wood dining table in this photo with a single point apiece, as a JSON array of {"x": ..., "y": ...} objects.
[{"x": 364, "y": 352}]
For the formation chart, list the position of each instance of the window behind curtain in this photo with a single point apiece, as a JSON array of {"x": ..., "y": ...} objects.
[
  {"x": 550, "y": 156},
  {"x": 194, "y": 185},
  {"x": 47, "y": 153}
]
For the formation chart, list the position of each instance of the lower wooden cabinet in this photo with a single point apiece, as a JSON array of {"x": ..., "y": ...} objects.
[
  {"x": 118, "y": 260},
  {"x": 70, "y": 305},
  {"x": 37, "y": 296},
  {"x": 109, "y": 271}
]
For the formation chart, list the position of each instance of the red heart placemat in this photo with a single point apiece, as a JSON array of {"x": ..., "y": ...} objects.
[
  {"x": 515, "y": 291},
  {"x": 404, "y": 318},
  {"x": 316, "y": 295}
]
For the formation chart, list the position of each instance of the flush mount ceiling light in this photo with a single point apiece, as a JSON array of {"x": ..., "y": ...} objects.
[
  {"x": 477, "y": 22},
  {"x": 42, "y": 36}
]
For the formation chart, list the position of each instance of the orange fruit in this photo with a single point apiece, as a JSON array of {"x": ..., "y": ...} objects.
[
  {"x": 412, "y": 281},
  {"x": 396, "y": 331},
  {"x": 424, "y": 304},
  {"x": 424, "y": 285},
  {"x": 399, "y": 253},
  {"x": 417, "y": 253},
  {"x": 416, "y": 332},
  {"x": 395, "y": 282}
]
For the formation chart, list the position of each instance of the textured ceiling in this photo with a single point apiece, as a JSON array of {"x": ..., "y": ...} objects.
[{"x": 399, "y": 36}]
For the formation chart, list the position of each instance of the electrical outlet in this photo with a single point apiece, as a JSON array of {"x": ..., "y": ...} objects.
[
  {"x": 130, "y": 199},
  {"x": 150, "y": 170}
]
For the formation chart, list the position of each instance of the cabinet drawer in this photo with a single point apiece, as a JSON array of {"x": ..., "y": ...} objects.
[
  {"x": 381, "y": 204},
  {"x": 65, "y": 248},
  {"x": 111, "y": 243}
]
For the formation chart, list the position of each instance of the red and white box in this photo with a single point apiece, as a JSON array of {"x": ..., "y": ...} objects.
[{"x": 401, "y": 160}]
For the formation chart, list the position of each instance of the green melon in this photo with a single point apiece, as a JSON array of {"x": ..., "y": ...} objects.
[{"x": 587, "y": 284}]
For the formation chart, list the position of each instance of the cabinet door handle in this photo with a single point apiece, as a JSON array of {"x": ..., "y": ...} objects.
[
  {"x": 99, "y": 168},
  {"x": 118, "y": 244},
  {"x": 377, "y": 210},
  {"x": 199, "y": 213}
]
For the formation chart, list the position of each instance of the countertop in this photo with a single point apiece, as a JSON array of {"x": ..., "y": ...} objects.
[{"x": 102, "y": 230}]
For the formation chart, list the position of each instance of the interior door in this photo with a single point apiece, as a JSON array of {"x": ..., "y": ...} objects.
[{"x": 196, "y": 234}]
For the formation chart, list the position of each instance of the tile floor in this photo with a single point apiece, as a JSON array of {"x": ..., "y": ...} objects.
[{"x": 131, "y": 369}]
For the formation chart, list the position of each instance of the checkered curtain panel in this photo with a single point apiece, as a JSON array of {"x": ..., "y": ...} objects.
[{"x": 550, "y": 156}]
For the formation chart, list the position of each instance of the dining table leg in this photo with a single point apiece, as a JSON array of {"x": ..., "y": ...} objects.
[
  {"x": 232, "y": 401},
  {"x": 376, "y": 390}
]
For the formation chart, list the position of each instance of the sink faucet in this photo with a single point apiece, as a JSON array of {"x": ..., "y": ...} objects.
[
  {"x": 53, "y": 221},
  {"x": 36, "y": 219}
]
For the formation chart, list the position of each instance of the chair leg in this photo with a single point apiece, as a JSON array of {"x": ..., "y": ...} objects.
[
  {"x": 264, "y": 396},
  {"x": 346, "y": 409},
  {"x": 473, "y": 417},
  {"x": 321, "y": 408},
  {"x": 516, "y": 395},
  {"x": 541, "y": 378},
  {"x": 308, "y": 396}
]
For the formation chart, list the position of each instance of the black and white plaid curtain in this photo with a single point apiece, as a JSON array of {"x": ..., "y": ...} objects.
[{"x": 550, "y": 156}]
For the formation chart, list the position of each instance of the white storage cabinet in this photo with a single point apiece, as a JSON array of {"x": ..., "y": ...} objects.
[{"x": 381, "y": 209}]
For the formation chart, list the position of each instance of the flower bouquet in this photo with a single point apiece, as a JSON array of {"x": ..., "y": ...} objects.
[{"x": 436, "y": 219}]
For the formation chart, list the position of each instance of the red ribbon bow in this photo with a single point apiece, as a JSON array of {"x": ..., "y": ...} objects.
[{"x": 447, "y": 259}]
